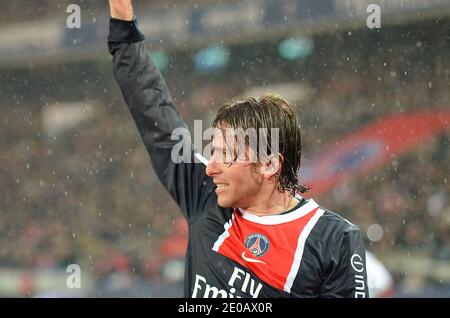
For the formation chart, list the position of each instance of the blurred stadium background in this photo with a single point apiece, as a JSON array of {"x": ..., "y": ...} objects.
[{"x": 75, "y": 180}]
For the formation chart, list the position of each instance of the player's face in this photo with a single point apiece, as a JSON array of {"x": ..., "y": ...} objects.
[{"x": 237, "y": 180}]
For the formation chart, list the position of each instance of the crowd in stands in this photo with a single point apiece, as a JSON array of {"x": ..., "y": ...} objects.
[{"x": 33, "y": 11}]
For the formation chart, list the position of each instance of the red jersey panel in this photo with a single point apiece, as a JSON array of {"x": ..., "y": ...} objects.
[{"x": 270, "y": 246}]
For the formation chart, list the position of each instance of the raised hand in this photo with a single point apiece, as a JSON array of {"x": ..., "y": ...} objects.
[{"x": 121, "y": 9}]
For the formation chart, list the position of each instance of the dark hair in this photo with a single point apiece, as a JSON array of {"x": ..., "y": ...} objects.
[{"x": 268, "y": 112}]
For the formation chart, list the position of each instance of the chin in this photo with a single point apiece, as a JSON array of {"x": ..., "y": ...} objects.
[{"x": 224, "y": 203}]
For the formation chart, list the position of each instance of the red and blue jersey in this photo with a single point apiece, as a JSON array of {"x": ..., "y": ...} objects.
[{"x": 271, "y": 247}]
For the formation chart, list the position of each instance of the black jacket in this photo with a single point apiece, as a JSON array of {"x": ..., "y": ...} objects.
[{"x": 306, "y": 252}]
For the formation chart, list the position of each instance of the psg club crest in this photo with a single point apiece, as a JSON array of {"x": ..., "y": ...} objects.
[{"x": 257, "y": 244}]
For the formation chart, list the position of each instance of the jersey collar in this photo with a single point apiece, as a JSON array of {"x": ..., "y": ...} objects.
[{"x": 297, "y": 213}]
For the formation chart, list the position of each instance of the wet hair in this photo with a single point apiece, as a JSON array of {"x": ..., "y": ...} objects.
[{"x": 268, "y": 112}]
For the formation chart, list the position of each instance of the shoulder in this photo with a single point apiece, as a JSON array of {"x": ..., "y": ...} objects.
[
  {"x": 332, "y": 222},
  {"x": 330, "y": 231}
]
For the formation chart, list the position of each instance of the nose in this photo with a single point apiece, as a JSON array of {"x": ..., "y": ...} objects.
[{"x": 213, "y": 167}]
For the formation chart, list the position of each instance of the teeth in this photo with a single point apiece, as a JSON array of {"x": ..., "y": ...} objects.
[{"x": 221, "y": 186}]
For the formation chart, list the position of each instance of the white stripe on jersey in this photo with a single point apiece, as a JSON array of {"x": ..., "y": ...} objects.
[
  {"x": 300, "y": 248},
  {"x": 224, "y": 235}
]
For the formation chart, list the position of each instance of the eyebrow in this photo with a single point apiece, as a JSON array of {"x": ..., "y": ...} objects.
[{"x": 217, "y": 149}]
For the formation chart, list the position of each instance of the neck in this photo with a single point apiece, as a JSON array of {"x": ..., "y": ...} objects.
[{"x": 271, "y": 202}]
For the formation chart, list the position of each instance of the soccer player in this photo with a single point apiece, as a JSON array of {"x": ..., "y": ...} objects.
[{"x": 251, "y": 233}]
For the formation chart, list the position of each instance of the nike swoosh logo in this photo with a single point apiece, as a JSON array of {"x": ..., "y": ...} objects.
[{"x": 251, "y": 260}]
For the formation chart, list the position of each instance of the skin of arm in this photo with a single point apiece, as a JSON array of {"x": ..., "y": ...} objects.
[{"x": 121, "y": 9}]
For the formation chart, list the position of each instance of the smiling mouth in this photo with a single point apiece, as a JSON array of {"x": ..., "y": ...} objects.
[{"x": 220, "y": 187}]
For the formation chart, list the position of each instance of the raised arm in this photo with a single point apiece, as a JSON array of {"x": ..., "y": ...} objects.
[{"x": 153, "y": 109}]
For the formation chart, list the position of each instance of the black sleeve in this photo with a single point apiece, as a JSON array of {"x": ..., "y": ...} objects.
[
  {"x": 155, "y": 115},
  {"x": 346, "y": 272}
]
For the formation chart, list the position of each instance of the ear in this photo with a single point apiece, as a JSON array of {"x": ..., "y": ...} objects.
[{"x": 271, "y": 167}]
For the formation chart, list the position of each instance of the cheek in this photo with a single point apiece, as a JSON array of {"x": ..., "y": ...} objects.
[{"x": 244, "y": 179}]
